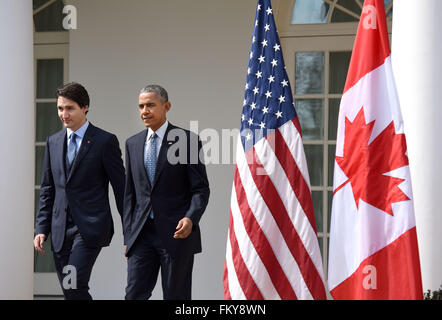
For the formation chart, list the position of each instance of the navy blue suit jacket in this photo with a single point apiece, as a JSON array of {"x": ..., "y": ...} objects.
[
  {"x": 179, "y": 190},
  {"x": 85, "y": 190}
]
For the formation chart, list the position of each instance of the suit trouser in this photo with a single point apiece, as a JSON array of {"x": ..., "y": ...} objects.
[
  {"x": 145, "y": 259},
  {"x": 74, "y": 264}
]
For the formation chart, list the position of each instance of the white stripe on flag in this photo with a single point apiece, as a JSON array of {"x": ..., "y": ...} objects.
[
  {"x": 234, "y": 286},
  {"x": 294, "y": 142}
]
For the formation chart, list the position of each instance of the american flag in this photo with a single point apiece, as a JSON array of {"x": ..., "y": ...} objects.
[{"x": 272, "y": 247}]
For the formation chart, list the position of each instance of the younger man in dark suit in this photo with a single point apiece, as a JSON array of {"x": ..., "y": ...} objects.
[
  {"x": 166, "y": 194},
  {"x": 79, "y": 163}
]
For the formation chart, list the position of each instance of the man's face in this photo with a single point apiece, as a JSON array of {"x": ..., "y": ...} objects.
[
  {"x": 152, "y": 110},
  {"x": 70, "y": 113}
]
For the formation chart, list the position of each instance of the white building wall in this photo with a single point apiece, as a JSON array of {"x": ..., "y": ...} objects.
[
  {"x": 198, "y": 50},
  {"x": 417, "y": 63}
]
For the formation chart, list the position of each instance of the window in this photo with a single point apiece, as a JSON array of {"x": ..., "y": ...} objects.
[
  {"x": 49, "y": 73},
  {"x": 319, "y": 82},
  {"x": 330, "y": 11},
  {"x": 48, "y": 15}
]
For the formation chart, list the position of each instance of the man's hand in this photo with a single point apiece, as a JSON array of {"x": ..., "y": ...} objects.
[
  {"x": 184, "y": 228},
  {"x": 39, "y": 240},
  {"x": 125, "y": 251}
]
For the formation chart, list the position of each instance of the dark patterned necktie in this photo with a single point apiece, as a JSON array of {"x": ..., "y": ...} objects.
[
  {"x": 72, "y": 150},
  {"x": 150, "y": 161}
]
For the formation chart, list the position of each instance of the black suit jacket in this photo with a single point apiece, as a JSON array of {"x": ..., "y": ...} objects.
[
  {"x": 179, "y": 190},
  {"x": 85, "y": 190}
]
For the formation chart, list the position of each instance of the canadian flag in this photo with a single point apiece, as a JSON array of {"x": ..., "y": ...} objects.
[{"x": 373, "y": 243}]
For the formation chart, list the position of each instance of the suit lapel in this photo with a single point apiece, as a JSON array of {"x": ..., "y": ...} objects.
[
  {"x": 162, "y": 156},
  {"x": 60, "y": 151},
  {"x": 139, "y": 155},
  {"x": 86, "y": 145}
]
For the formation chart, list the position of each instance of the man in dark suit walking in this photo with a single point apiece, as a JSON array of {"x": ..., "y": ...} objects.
[
  {"x": 166, "y": 193},
  {"x": 79, "y": 163}
]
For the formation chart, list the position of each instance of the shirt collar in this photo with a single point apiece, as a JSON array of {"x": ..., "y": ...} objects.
[
  {"x": 80, "y": 132},
  {"x": 161, "y": 131}
]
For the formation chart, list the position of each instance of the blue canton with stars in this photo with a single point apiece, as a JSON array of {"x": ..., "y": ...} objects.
[{"x": 268, "y": 100}]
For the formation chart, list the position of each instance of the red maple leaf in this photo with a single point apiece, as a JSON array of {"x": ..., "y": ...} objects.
[{"x": 365, "y": 164}]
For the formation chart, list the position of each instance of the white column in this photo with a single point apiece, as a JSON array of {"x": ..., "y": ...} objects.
[
  {"x": 417, "y": 63},
  {"x": 17, "y": 149}
]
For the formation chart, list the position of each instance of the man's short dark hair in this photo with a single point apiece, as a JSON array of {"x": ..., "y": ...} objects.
[
  {"x": 75, "y": 92},
  {"x": 158, "y": 90}
]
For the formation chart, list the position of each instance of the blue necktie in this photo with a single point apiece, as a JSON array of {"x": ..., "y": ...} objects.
[
  {"x": 72, "y": 150},
  {"x": 150, "y": 161}
]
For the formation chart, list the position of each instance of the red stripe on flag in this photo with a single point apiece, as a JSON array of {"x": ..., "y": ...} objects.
[
  {"x": 227, "y": 295},
  {"x": 297, "y": 124},
  {"x": 248, "y": 285},
  {"x": 295, "y": 177},
  {"x": 371, "y": 46},
  {"x": 271, "y": 197},
  {"x": 262, "y": 245},
  {"x": 391, "y": 273}
]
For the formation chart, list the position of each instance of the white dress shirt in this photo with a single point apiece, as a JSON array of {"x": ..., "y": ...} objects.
[
  {"x": 79, "y": 134},
  {"x": 161, "y": 132}
]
